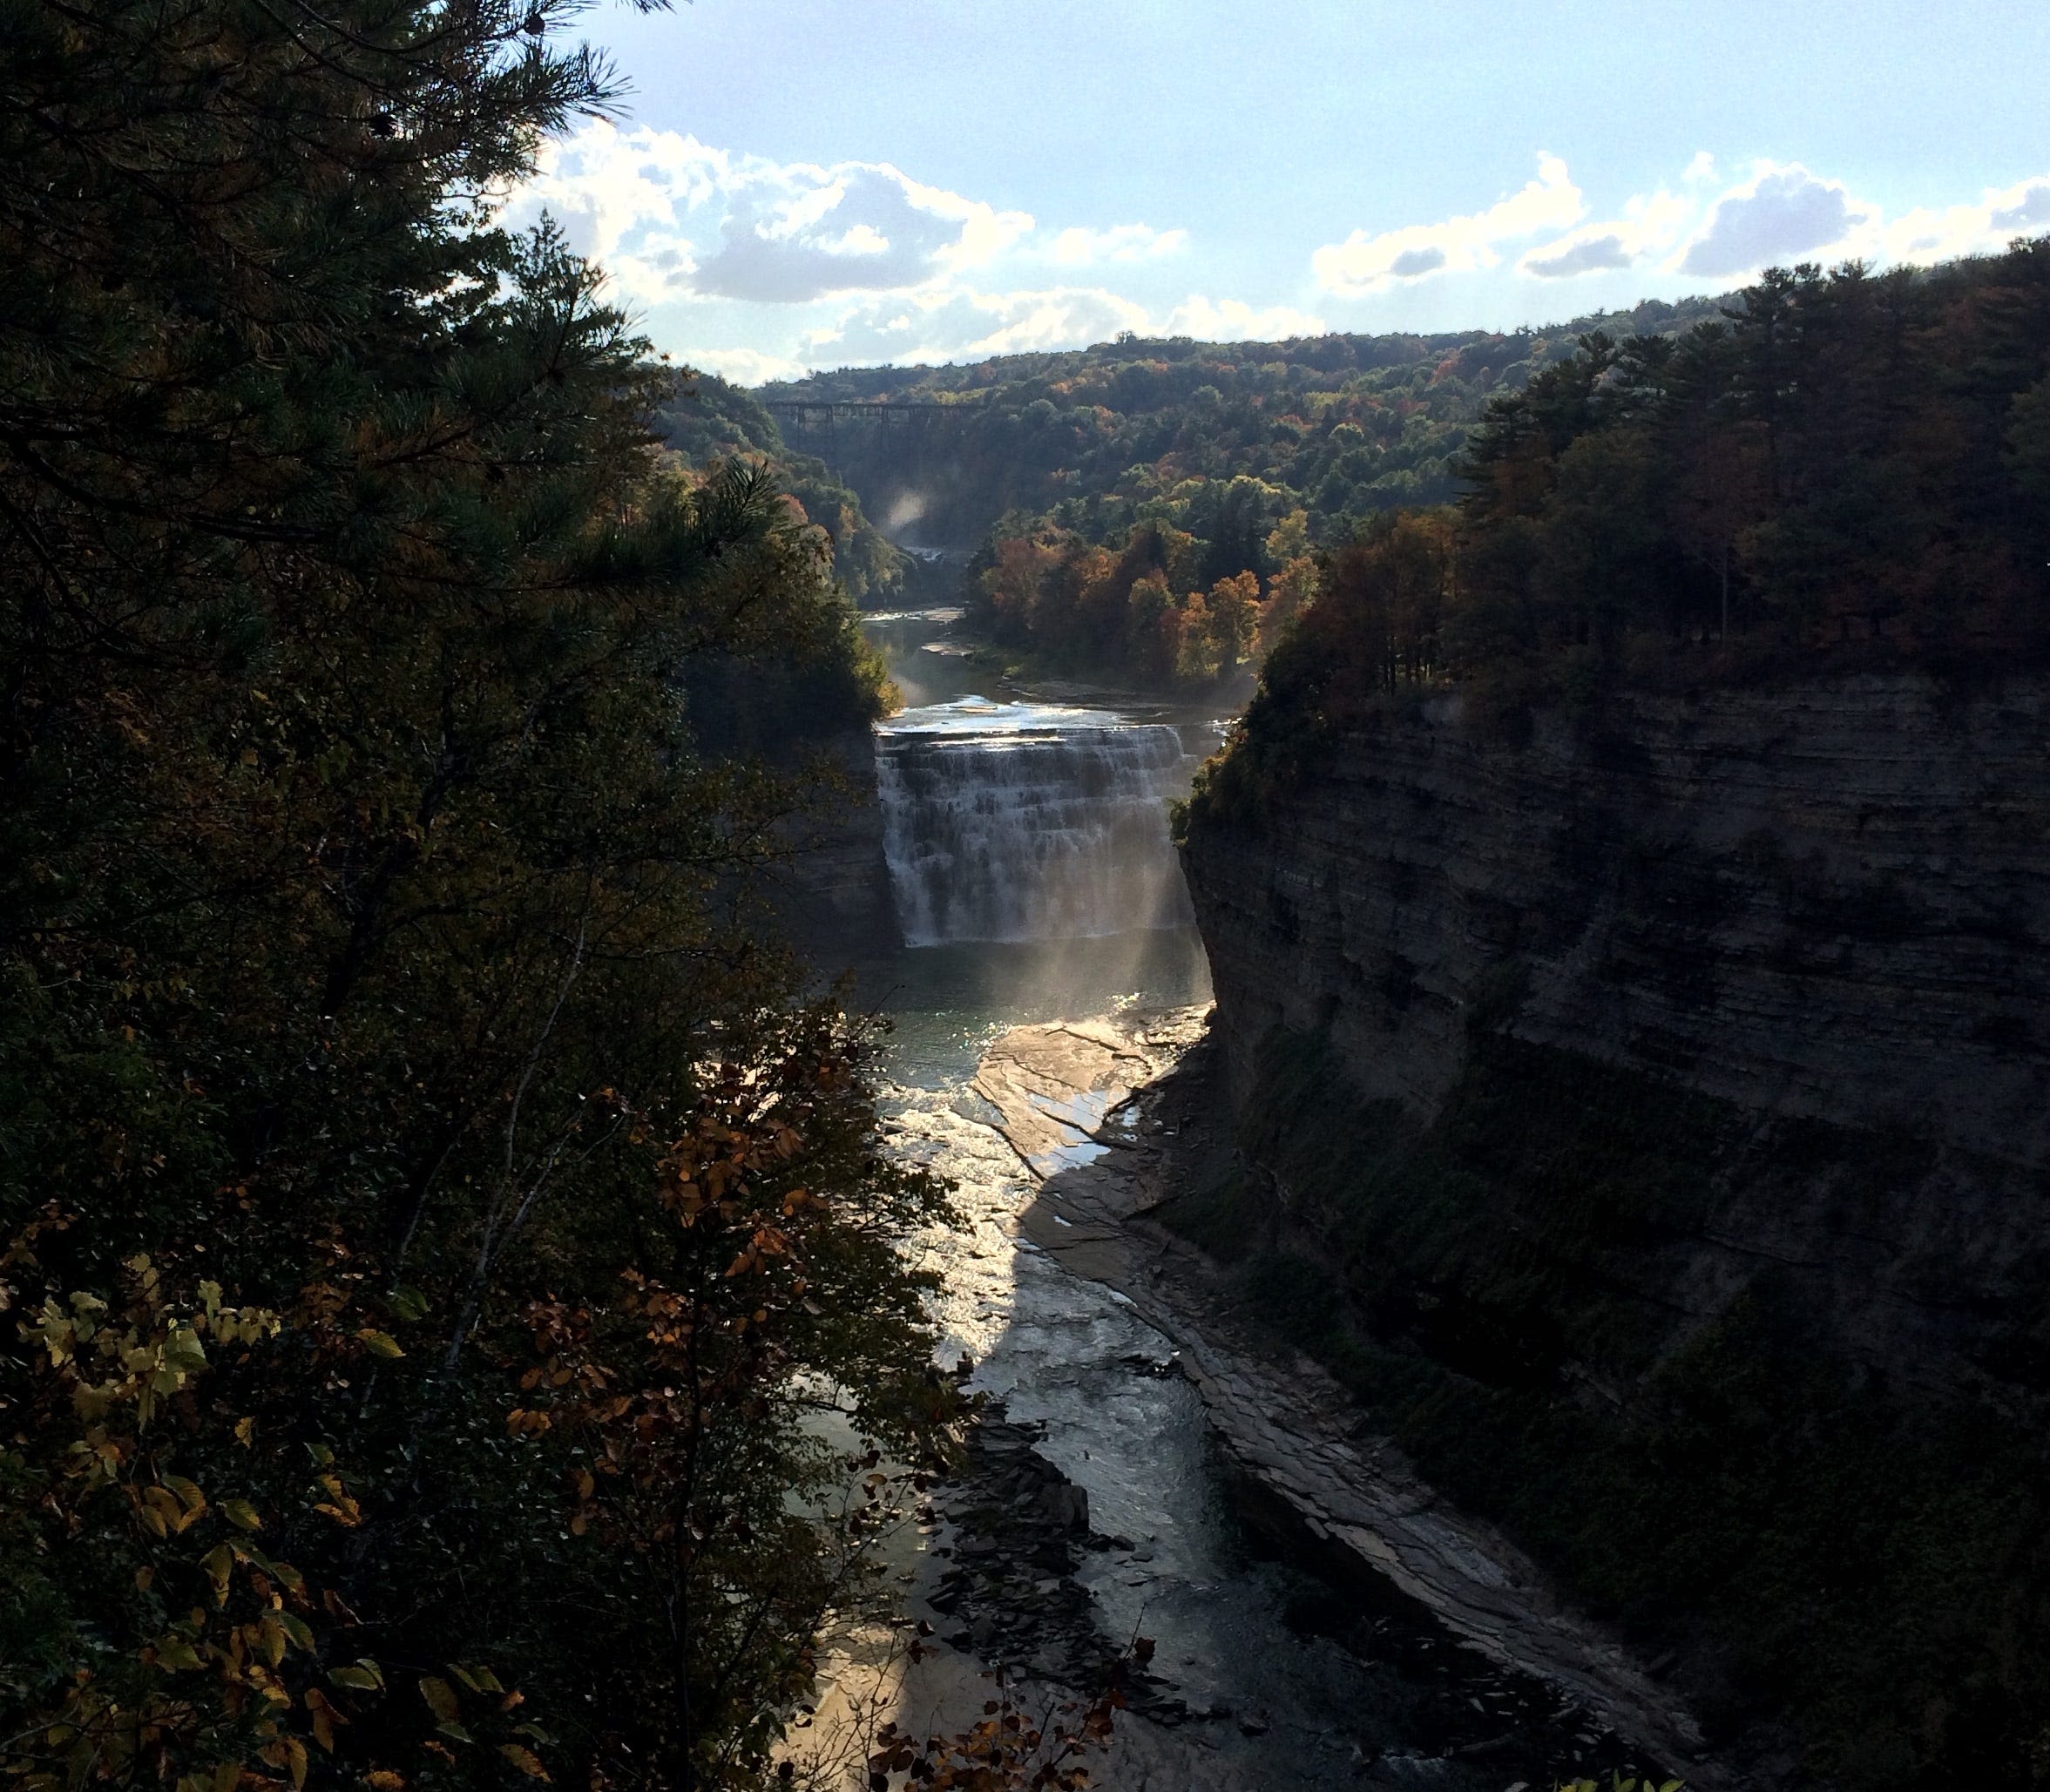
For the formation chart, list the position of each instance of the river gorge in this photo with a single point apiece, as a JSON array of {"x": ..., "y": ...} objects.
[{"x": 1319, "y": 1617}]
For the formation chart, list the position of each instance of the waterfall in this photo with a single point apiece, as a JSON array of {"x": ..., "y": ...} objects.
[{"x": 1018, "y": 821}]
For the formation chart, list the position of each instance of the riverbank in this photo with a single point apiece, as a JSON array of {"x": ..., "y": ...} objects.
[
  {"x": 1141, "y": 1470},
  {"x": 1110, "y": 1118}
]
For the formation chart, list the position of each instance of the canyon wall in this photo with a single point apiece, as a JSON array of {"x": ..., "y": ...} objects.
[
  {"x": 832, "y": 894},
  {"x": 1667, "y": 1082},
  {"x": 1832, "y": 902}
]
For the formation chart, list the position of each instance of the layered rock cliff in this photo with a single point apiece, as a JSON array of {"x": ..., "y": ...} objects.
[
  {"x": 1674, "y": 1077},
  {"x": 833, "y": 893}
]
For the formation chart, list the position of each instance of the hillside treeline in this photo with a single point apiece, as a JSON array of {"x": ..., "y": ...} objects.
[
  {"x": 1097, "y": 441},
  {"x": 1847, "y": 469},
  {"x": 706, "y": 419},
  {"x": 431, "y": 1228}
]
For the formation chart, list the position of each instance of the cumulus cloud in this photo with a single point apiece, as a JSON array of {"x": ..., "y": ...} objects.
[
  {"x": 1999, "y": 215},
  {"x": 672, "y": 218},
  {"x": 1367, "y": 263},
  {"x": 1782, "y": 214},
  {"x": 2031, "y": 207},
  {"x": 748, "y": 367},
  {"x": 1589, "y": 255},
  {"x": 958, "y": 322},
  {"x": 1233, "y": 320},
  {"x": 1077, "y": 248},
  {"x": 1649, "y": 225}
]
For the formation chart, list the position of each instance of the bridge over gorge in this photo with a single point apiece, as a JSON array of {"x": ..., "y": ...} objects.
[{"x": 823, "y": 414}]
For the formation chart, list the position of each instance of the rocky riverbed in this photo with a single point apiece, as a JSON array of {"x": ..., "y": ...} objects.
[{"x": 1144, "y": 1466}]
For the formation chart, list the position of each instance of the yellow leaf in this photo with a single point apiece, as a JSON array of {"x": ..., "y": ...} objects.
[
  {"x": 240, "y": 1511},
  {"x": 381, "y": 1343},
  {"x": 384, "y": 1780},
  {"x": 218, "y": 1562},
  {"x": 525, "y": 1760},
  {"x": 441, "y": 1698},
  {"x": 245, "y": 1430},
  {"x": 295, "y": 1752}
]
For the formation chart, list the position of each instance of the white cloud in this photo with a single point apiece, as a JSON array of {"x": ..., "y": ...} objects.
[
  {"x": 1233, "y": 320},
  {"x": 748, "y": 367},
  {"x": 803, "y": 265},
  {"x": 955, "y": 323},
  {"x": 670, "y": 218},
  {"x": 1578, "y": 254},
  {"x": 1782, "y": 214},
  {"x": 1649, "y": 224},
  {"x": 1077, "y": 247},
  {"x": 1365, "y": 263},
  {"x": 1999, "y": 215},
  {"x": 962, "y": 324}
]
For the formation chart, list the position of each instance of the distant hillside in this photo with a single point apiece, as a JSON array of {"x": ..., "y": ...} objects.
[
  {"x": 1096, "y": 440},
  {"x": 708, "y": 419}
]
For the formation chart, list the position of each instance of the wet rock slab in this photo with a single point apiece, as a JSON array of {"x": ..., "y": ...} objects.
[{"x": 1079, "y": 1104}]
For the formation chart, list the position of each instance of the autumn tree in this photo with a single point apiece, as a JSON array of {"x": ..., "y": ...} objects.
[{"x": 376, "y": 945}]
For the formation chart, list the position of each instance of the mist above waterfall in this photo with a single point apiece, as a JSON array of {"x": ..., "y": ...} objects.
[
  {"x": 1021, "y": 821},
  {"x": 904, "y": 510}
]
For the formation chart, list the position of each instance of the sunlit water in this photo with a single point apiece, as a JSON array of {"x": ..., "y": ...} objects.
[{"x": 1072, "y": 1355}]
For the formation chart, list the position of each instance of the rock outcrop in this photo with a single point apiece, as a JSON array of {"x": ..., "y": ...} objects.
[
  {"x": 1827, "y": 903},
  {"x": 1668, "y": 1082},
  {"x": 1832, "y": 901},
  {"x": 833, "y": 893}
]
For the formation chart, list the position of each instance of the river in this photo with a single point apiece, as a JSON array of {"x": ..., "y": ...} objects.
[{"x": 1034, "y": 878}]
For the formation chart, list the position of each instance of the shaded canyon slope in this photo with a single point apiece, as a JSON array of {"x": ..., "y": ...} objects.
[{"x": 1645, "y": 1113}]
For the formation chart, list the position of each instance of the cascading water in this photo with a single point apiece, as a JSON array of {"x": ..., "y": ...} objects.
[{"x": 1022, "y": 822}]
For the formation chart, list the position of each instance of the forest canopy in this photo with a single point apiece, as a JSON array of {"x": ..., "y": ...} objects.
[
  {"x": 431, "y": 1224},
  {"x": 705, "y": 419},
  {"x": 1846, "y": 469},
  {"x": 1094, "y": 441}
]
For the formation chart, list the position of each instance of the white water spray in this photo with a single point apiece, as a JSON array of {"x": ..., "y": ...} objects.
[{"x": 1018, "y": 821}]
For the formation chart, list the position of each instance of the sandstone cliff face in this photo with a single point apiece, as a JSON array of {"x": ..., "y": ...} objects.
[
  {"x": 1833, "y": 902},
  {"x": 833, "y": 894},
  {"x": 1718, "y": 1030}
]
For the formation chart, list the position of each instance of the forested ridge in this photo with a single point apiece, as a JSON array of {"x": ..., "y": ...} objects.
[
  {"x": 1848, "y": 470},
  {"x": 705, "y": 419},
  {"x": 1828, "y": 456},
  {"x": 1096, "y": 440},
  {"x": 430, "y": 1223},
  {"x": 1150, "y": 510}
]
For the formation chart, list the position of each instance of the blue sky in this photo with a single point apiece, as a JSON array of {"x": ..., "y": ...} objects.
[{"x": 819, "y": 183}]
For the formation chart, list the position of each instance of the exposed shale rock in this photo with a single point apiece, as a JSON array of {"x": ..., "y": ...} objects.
[
  {"x": 1117, "y": 1117},
  {"x": 1830, "y": 901},
  {"x": 1020, "y": 1527},
  {"x": 1668, "y": 1082},
  {"x": 1827, "y": 904},
  {"x": 832, "y": 891}
]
